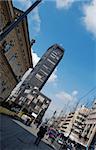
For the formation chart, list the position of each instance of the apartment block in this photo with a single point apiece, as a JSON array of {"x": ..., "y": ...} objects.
[
  {"x": 73, "y": 124},
  {"x": 89, "y": 132},
  {"x": 66, "y": 123},
  {"x": 35, "y": 103}
]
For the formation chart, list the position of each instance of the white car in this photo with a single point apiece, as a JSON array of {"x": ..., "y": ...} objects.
[{"x": 25, "y": 118}]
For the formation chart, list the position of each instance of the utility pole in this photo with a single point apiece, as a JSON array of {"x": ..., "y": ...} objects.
[{"x": 19, "y": 19}]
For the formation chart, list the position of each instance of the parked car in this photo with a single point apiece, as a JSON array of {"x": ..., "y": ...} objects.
[
  {"x": 60, "y": 138},
  {"x": 52, "y": 134},
  {"x": 26, "y": 119},
  {"x": 60, "y": 141}
]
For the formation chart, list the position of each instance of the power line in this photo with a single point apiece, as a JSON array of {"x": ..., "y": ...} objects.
[
  {"x": 87, "y": 93},
  {"x": 90, "y": 91}
]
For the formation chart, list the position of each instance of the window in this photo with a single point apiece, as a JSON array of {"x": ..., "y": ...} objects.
[
  {"x": 44, "y": 106},
  {"x": 33, "y": 105},
  {"x": 37, "y": 107},
  {"x": 45, "y": 66},
  {"x": 47, "y": 102},
  {"x": 41, "y": 98},
  {"x": 43, "y": 72},
  {"x": 12, "y": 58},
  {"x": 7, "y": 46},
  {"x": 51, "y": 61},
  {"x": 53, "y": 56},
  {"x": 39, "y": 77},
  {"x": 35, "y": 100},
  {"x": 39, "y": 104},
  {"x": 54, "y": 52}
]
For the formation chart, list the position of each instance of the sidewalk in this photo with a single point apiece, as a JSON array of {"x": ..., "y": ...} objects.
[
  {"x": 15, "y": 136},
  {"x": 32, "y": 129}
]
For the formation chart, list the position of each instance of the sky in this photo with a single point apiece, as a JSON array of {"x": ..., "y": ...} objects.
[{"x": 72, "y": 25}]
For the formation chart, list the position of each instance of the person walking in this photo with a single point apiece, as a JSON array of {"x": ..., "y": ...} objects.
[{"x": 40, "y": 134}]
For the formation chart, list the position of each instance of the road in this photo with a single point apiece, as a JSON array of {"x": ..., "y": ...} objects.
[{"x": 14, "y": 137}]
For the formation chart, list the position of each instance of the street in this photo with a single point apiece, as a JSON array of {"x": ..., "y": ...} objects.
[{"x": 15, "y": 137}]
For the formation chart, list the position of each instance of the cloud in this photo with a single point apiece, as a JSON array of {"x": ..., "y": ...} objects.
[
  {"x": 74, "y": 93},
  {"x": 51, "y": 109},
  {"x": 69, "y": 101},
  {"x": 35, "y": 58},
  {"x": 89, "y": 18},
  {"x": 64, "y": 96},
  {"x": 60, "y": 4},
  {"x": 36, "y": 19},
  {"x": 63, "y": 101},
  {"x": 24, "y": 4}
]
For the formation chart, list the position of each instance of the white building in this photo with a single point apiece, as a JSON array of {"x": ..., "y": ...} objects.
[
  {"x": 89, "y": 132},
  {"x": 73, "y": 124}
]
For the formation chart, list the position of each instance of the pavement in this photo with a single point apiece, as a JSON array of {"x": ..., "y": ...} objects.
[
  {"x": 33, "y": 130},
  {"x": 14, "y": 135}
]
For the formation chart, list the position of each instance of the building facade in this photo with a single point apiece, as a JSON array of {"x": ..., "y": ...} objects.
[
  {"x": 79, "y": 125},
  {"x": 89, "y": 132},
  {"x": 73, "y": 124},
  {"x": 34, "y": 103},
  {"x": 14, "y": 47},
  {"x": 66, "y": 123}
]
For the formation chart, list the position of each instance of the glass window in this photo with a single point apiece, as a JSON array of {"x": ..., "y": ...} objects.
[
  {"x": 41, "y": 98},
  {"x": 43, "y": 72},
  {"x": 51, "y": 61},
  {"x": 35, "y": 100},
  {"x": 7, "y": 47},
  {"x": 13, "y": 57}
]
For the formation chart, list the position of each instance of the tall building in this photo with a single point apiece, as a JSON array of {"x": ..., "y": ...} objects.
[
  {"x": 14, "y": 47},
  {"x": 42, "y": 71},
  {"x": 89, "y": 132},
  {"x": 44, "y": 68}
]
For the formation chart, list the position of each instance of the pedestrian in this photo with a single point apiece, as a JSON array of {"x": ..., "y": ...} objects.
[{"x": 40, "y": 134}]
